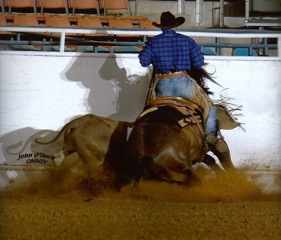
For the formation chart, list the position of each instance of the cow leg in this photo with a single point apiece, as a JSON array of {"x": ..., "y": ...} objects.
[
  {"x": 91, "y": 161},
  {"x": 66, "y": 174}
]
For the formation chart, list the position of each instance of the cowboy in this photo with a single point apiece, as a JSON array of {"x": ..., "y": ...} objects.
[{"x": 172, "y": 55}]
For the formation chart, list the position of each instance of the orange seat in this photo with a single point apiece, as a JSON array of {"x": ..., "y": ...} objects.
[
  {"x": 86, "y": 22},
  {"x": 52, "y": 6},
  {"x": 26, "y": 20},
  {"x": 90, "y": 22},
  {"x": 88, "y": 6},
  {"x": 18, "y": 20},
  {"x": 7, "y": 19},
  {"x": 104, "y": 19},
  {"x": 124, "y": 23},
  {"x": 21, "y": 4},
  {"x": 57, "y": 21},
  {"x": 146, "y": 24},
  {"x": 118, "y": 6},
  {"x": 3, "y": 20}
]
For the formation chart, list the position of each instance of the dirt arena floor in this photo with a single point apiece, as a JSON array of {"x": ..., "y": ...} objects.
[{"x": 222, "y": 207}]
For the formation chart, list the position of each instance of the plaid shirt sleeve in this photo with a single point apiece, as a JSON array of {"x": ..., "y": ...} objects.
[
  {"x": 196, "y": 56},
  {"x": 145, "y": 55}
]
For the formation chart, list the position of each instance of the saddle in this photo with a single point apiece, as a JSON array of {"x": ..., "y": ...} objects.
[{"x": 191, "y": 113}]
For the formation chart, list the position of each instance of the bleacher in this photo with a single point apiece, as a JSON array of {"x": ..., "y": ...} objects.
[
  {"x": 66, "y": 6},
  {"x": 107, "y": 27},
  {"x": 73, "y": 14}
]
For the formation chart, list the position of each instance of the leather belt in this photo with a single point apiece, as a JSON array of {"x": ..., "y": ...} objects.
[{"x": 171, "y": 75}]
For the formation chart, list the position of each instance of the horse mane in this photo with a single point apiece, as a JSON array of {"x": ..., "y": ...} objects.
[{"x": 200, "y": 76}]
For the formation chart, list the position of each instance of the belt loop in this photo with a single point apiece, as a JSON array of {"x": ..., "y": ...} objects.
[{"x": 171, "y": 75}]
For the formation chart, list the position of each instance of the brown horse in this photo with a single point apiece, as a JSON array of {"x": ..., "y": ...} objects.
[{"x": 168, "y": 138}]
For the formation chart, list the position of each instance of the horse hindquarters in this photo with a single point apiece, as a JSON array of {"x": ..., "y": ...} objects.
[
  {"x": 168, "y": 169},
  {"x": 160, "y": 151}
]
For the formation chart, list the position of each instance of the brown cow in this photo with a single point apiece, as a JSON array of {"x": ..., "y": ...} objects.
[{"x": 98, "y": 141}]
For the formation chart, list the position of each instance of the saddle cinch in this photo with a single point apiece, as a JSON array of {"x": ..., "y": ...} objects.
[{"x": 191, "y": 112}]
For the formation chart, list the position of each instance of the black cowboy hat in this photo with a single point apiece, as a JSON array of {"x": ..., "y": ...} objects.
[{"x": 168, "y": 20}]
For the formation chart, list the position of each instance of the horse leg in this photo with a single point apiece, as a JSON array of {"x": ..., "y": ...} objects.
[
  {"x": 178, "y": 171},
  {"x": 167, "y": 169},
  {"x": 224, "y": 157},
  {"x": 185, "y": 177},
  {"x": 211, "y": 162}
]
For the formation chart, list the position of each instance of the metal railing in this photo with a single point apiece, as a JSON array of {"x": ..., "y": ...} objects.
[
  {"x": 213, "y": 40},
  {"x": 259, "y": 22}
]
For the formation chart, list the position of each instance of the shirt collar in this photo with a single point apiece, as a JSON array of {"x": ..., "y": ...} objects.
[{"x": 169, "y": 32}]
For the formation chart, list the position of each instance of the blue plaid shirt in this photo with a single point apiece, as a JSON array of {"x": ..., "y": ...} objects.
[{"x": 171, "y": 52}]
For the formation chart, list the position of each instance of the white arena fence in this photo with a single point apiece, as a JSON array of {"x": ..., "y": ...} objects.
[{"x": 41, "y": 90}]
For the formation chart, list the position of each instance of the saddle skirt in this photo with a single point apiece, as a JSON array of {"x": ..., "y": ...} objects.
[{"x": 191, "y": 113}]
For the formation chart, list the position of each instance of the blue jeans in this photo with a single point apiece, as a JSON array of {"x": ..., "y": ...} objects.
[
  {"x": 177, "y": 87},
  {"x": 183, "y": 87},
  {"x": 211, "y": 123}
]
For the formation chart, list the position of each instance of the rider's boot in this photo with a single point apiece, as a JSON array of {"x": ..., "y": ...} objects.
[{"x": 218, "y": 143}]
